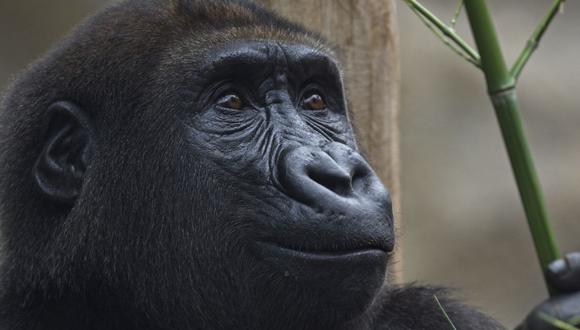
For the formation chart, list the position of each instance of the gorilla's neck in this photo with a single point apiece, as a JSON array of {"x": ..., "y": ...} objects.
[
  {"x": 51, "y": 309},
  {"x": 48, "y": 311}
]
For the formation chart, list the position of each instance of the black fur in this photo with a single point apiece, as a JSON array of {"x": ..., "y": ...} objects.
[{"x": 130, "y": 199}]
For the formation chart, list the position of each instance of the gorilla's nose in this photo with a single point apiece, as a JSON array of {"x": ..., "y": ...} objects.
[{"x": 327, "y": 176}]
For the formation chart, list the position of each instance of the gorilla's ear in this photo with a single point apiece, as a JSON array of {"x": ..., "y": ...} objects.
[{"x": 60, "y": 168}]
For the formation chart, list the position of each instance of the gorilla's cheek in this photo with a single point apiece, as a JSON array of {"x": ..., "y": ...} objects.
[{"x": 237, "y": 142}]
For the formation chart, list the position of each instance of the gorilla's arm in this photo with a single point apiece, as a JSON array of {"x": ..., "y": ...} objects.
[{"x": 414, "y": 307}]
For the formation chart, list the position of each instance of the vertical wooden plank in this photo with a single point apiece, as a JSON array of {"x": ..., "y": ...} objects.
[{"x": 365, "y": 35}]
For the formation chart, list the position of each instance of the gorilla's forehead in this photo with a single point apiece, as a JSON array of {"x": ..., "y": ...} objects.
[
  {"x": 228, "y": 53},
  {"x": 198, "y": 50},
  {"x": 256, "y": 55}
]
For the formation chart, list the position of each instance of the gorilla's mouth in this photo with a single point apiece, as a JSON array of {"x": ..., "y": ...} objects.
[
  {"x": 350, "y": 255},
  {"x": 331, "y": 271}
]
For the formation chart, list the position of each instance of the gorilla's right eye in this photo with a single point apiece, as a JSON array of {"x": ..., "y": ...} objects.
[{"x": 231, "y": 101}]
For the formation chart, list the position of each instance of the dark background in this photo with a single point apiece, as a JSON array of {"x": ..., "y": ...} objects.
[{"x": 463, "y": 225}]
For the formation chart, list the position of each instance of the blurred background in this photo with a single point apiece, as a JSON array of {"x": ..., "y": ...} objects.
[{"x": 463, "y": 225}]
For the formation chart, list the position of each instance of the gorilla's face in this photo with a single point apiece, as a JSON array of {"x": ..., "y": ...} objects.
[
  {"x": 187, "y": 164},
  {"x": 277, "y": 192},
  {"x": 227, "y": 189}
]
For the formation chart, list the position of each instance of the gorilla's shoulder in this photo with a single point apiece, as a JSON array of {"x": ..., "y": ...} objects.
[{"x": 414, "y": 306}]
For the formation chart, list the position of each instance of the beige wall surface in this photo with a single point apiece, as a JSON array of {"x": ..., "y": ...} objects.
[{"x": 463, "y": 225}]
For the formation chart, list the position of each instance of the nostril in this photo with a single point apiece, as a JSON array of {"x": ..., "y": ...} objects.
[
  {"x": 333, "y": 179},
  {"x": 359, "y": 176}
]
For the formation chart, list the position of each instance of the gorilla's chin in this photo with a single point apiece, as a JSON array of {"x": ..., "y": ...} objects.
[{"x": 343, "y": 281}]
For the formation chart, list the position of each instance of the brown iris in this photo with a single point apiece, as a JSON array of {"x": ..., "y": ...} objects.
[
  {"x": 314, "y": 102},
  {"x": 231, "y": 101}
]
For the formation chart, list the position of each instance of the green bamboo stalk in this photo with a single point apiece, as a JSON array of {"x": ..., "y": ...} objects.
[
  {"x": 502, "y": 91},
  {"x": 501, "y": 85}
]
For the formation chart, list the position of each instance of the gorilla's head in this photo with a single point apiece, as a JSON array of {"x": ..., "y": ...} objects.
[{"x": 186, "y": 163}]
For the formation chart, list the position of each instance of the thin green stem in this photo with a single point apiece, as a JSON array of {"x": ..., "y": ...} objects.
[
  {"x": 557, "y": 322},
  {"x": 501, "y": 89},
  {"x": 444, "y": 313},
  {"x": 456, "y": 15},
  {"x": 446, "y": 33},
  {"x": 575, "y": 320},
  {"x": 446, "y": 41},
  {"x": 534, "y": 40}
]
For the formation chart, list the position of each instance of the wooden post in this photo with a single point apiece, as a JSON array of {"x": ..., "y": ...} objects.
[{"x": 365, "y": 34}]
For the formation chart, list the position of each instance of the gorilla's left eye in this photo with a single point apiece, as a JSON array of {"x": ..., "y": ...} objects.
[
  {"x": 314, "y": 101},
  {"x": 231, "y": 101}
]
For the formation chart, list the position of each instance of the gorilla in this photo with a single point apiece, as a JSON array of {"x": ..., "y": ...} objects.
[{"x": 190, "y": 164}]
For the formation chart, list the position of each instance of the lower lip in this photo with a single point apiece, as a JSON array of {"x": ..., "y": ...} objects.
[
  {"x": 324, "y": 257},
  {"x": 342, "y": 272}
]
